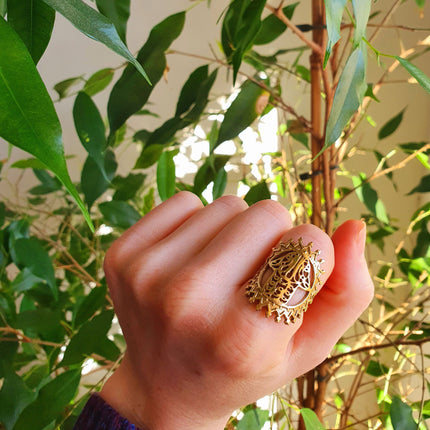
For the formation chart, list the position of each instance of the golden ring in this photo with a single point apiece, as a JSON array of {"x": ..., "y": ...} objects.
[{"x": 287, "y": 282}]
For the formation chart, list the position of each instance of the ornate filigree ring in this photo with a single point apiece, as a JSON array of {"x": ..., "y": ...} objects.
[{"x": 287, "y": 282}]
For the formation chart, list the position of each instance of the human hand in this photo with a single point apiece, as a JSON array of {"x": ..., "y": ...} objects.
[{"x": 196, "y": 348}]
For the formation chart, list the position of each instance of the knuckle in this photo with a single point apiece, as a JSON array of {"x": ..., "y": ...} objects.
[
  {"x": 275, "y": 211},
  {"x": 232, "y": 203}
]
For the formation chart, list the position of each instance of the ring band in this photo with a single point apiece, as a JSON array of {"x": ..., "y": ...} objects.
[{"x": 290, "y": 268}]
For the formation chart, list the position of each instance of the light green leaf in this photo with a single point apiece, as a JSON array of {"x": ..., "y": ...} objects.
[
  {"x": 391, "y": 126},
  {"x": 420, "y": 76},
  {"x": 348, "y": 96},
  {"x": 246, "y": 107},
  {"x": 311, "y": 420},
  {"x": 3, "y": 8},
  {"x": 29, "y": 253},
  {"x": 257, "y": 192},
  {"x": 420, "y": 3},
  {"x": 27, "y": 116},
  {"x": 361, "y": 13},
  {"x": 57, "y": 393},
  {"x": 15, "y": 396},
  {"x": 253, "y": 419},
  {"x": 220, "y": 183},
  {"x": 369, "y": 197},
  {"x": 33, "y": 20},
  {"x": 166, "y": 176},
  {"x": 118, "y": 11},
  {"x": 131, "y": 91},
  {"x": 98, "y": 81},
  {"x": 119, "y": 214},
  {"x": 401, "y": 415},
  {"x": 334, "y": 11},
  {"x": 66, "y": 87},
  {"x": 96, "y": 26},
  {"x": 30, "y": 163}
]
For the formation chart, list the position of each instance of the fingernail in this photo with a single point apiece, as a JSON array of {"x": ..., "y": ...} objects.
[{"x": 361, "y": 237}]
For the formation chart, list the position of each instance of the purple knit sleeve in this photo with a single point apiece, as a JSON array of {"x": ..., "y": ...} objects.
[{"x": 98, "y": 415}]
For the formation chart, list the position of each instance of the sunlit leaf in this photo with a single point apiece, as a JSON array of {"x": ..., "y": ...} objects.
[
  {"x": 311, "y": 420},
  {"x": 361, "y": 13},
  {"x": 27, "y": 116},
  {"x": 253, "y": 419},
  {"x": 419, "y": 75},
  {"x": 33, "y": 20},
  {"x": 334, "y": 11},
  {"x": 96, "y": 26},
  {"x": 166, "y": 177}
]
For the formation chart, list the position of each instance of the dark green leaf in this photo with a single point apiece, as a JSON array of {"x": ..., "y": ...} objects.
[
  {"x": 118, "y": 11},
  {"x": 126, "y": 188},
  {"x": 253, "y": 419},
  {"x": 423, "y": 186},
  {"x": 369, "y": 93},
  {"x": 98, "y": 81},
  {"x": 39, "y": 320},
  {"x": 419, "y": 75},
  {"x": 90, "y": 128},
  {"x": 33, "y": 20},
  {"x": 149, "y": 156},
  {"x": 401, "y": 415},
  {"x": 119, "y": 214},
  {"x": 94, "y": 25},
  {"x": 131, "y": 91},
  {"x": 166, "y": 176},
  {"x": 272, "y": 27},
  {"x": 2, "y": 217},
  {"x": 246, "y": 107},
  {"x": 57, "y": 394},
  {"x": 391, "y": 126},
  {"x": 257, "y": 192},
  {"x": 3, "y": 7},
  {"x": 220, "y": 183},
  {"x": 361, "y": 12},
  {"x": 348, "y": 96},
  {"x": 27, "y": 116},
  {"x": 66, "y": 87},
  {"x": 374, "y": 368},
  {"x": 334, "y": 11},
  {"x": 91, "y": 303},
  {"x": 311, "y": 420},
  {"x": 369, "y": 197},
  {"x": 15, "y": 396},
  {"x": 208, "y": 172},
  {"x": 240, "y": 27},
  {"x": 29, "y": 253},
  {"x": 88, "y": 339}
]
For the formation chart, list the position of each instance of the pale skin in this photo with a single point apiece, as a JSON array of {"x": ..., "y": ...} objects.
[{"x": 196, "y": 348}]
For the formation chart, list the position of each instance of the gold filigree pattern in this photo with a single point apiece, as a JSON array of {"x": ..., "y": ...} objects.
[{"x": 292, "y": 267}]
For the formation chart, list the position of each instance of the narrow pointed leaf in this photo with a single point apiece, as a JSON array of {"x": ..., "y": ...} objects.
[
  {"x": 311, "y": 420},
  {"x": 27, "y": 115},
  {"x": 361, "y": 13},
  {"x": 98, "y": 81},
  {"x": 96, "y": 26},
  {"x": 33, "y": 20},
  {"x": 334, "y": 11},
  {"x": 166, "y": 177},
  {"x": 419, "y": 75},
  {"x": 391, "y": 126},
  {"x": 118, "y": 11},
  {"x": 3, "y": 7},
  {"x": 131, "y": 91},
  {"x": 348, "y": 96}
]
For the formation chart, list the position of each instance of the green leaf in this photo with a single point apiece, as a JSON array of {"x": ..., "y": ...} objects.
[
  {"x": 166, "y": 176},
  {"x": 119, "y": 214},
  {"x": 27, "y": 116},
  {"x": 423, "y": 186},
  {"x": 401, "y": 415},
  {"x": 126, "y": 188},
  {"x": 118, "y": 11},
  {"x": 391, "y": 126},
  {"x": 420, "y": 76},
  {"x": 98, "y": 81},
  {"x": 246, "y": 107},
  {"x": 257, "y": 192},
  {"x": 334, "y": 11},
  {"x": 241, "y": 24},
  {"x": 15, "y": 396},
  {"x": 33, "y": 20},
  {"x": 30, "y": 163},
  {"x": 220, "y": 183},
  {"x": 90, "y": 128},
  {"x": 29, "y": 253},
  {"x": 348, "y": 96},
  {"x": 369, "y": 197},
  {"x": 3, "y": 7},
  {"x": 374, "y": 368},
  {"x": 208, "y": 172},
  {"x": 253, "y": 419},
  {"x": 56, "y": 394},
  {"x": 96, "y": 26},
  {"x": 420, "y": 3},
  {"x": 361, "y": 13},
  {"x": 89, "y": 339},
  {"x": 272, "y": 27},
  {"x": 311, "y": 420},
  {"x": 149, "y": 156},
  {"x": 91, "y": 303},
  {"x": 66, "y": 87},
  {"x": 131, "y": 91}
]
